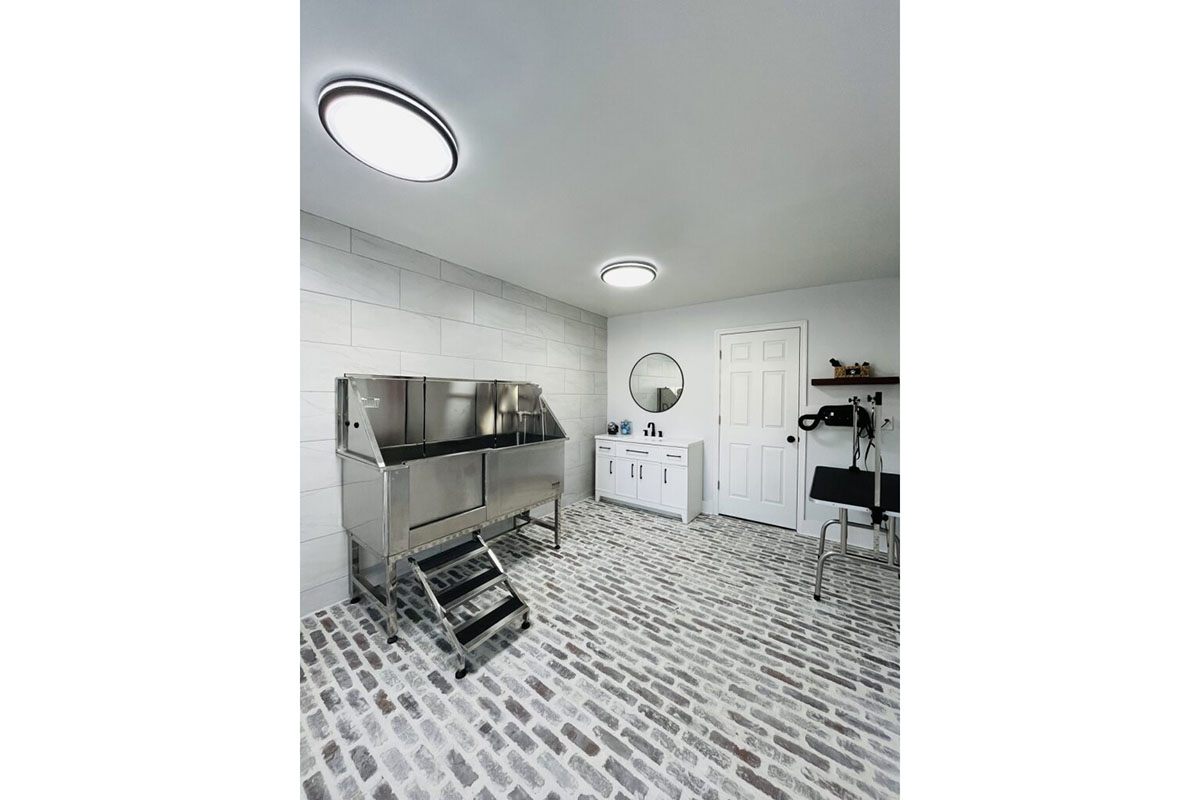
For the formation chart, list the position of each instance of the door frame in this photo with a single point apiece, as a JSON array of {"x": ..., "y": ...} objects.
[{"x": 802, "y": 458}]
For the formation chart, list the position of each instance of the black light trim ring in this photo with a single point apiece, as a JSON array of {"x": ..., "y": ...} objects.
[
  {"x": 653, "y": 270},
  {"x": 365, "y": 87}
]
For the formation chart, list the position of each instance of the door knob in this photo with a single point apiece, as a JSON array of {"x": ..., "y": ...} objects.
[{"x": 791, "y": 439}]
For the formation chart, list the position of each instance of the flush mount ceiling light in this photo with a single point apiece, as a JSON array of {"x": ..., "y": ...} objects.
[
  {"x": 628, "y": 273},
  {"x": 387, "y": 130}
]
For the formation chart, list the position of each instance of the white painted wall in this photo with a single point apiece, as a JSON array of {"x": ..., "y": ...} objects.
[
  {"x": 370, "y": 305},
  {"x": 848, "y": 321}
]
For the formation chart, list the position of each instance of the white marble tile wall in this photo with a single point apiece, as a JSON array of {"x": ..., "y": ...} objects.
[{"x": 371, "y": 305}]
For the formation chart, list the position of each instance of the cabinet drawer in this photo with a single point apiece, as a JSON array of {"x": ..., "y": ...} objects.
[
  {"x": 639, "y": 452},
  {"x": 673, "y": 455},
  {"x": 642, "y": 451},
  {"x": 651, "y": 452}
]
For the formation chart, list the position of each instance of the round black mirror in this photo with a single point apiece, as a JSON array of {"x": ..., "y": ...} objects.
[{"x": 656, "y": 382}]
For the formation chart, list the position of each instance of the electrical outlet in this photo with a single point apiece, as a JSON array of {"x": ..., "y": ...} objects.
[{"x": 889, "y": 424}]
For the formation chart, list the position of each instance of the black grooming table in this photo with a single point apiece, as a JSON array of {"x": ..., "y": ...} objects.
[{"x": 855, "y": 488}]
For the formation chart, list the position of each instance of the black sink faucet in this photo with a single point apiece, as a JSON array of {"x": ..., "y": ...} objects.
[{"x": 650, "y": 427}]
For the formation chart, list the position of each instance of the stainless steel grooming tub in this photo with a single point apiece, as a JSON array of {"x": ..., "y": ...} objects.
[{"x": 429, "y": 460}]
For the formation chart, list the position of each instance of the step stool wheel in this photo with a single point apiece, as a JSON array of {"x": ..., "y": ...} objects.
[
  {"x": 354, "y": 600},
  {"x": 460, "y": 674},
  {"x": 525, "y": 624},
  {"x": 393, "y": 639}
]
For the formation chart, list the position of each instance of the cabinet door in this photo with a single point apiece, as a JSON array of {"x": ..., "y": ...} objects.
[
  {"x": 649, "y": 485},
  {"x": 606, "y": 473},
  {"x": 626, "y": 473},
  {"x": 674, "y": 487}
]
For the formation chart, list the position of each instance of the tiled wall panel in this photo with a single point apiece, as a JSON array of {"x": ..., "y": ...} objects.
[{"x": 371, "y": 305}]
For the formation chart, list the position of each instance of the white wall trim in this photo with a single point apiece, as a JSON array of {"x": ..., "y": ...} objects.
[{"x": 802, "y": 461}]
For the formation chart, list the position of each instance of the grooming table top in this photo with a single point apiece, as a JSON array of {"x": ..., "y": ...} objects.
[{"x": 855, "y": 489}]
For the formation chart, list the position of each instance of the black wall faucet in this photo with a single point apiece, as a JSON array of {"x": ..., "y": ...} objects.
[{"x": 650, "y": 427}]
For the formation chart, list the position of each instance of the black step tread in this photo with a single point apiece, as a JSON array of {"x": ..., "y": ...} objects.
[
  {"x": 472, "y": 629},
  {"x": 453, "y": 554},
  {"x": 452, "y": 593}
]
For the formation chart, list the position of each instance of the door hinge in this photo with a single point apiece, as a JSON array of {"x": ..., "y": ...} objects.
[
  {"x": 718, "y": 484},
  {"x": 720, "y": 355}
]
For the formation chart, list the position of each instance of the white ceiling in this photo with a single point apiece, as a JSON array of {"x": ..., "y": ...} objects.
[{"x": 743, "y": 147}]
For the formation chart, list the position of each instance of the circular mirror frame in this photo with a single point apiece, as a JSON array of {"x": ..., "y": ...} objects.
[{"x": 682, "y": 382}]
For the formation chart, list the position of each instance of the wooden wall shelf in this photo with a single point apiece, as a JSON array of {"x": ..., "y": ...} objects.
[{"x": 857, "y": 381}]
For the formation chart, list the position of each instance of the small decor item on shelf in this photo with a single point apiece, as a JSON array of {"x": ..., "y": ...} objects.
[
  {"x": 626, "y": 427},
  {"x": 612, "y": 429},
  {"x": 840, "y": 370}
]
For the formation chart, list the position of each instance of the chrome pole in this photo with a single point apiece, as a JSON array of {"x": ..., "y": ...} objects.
[
  {"x": 878, "y": 473},
  {"x": 854, "y": 432}
]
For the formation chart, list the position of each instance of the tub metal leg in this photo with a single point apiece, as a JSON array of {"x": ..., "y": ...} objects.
[
  {"x": 389, "y": 588},
  {"x": 555, "y": 526},
  {"x": 352, "y": 567}
]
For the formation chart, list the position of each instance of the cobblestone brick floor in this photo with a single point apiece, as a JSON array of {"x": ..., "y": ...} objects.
[{"x": 664, "y": 661}]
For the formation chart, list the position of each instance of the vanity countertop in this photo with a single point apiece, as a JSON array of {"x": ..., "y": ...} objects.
[{"x": 639, "y": 439}]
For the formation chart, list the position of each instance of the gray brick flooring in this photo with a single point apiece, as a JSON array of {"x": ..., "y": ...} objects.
[{"x": 665, "y": 661}]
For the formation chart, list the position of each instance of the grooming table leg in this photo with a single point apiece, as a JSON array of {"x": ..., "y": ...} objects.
[
  {"x": 820, "y": 553},
  {"x": 821, "y": 540},
  {"x": 389, "y": 586},
  {"x": 821, "y": 569},
  {"x": 822, "y": 556},
  {"x": 843, "y": 521}
]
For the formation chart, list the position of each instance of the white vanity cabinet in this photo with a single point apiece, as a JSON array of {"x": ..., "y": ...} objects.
[{"x": 658, "y": 474}]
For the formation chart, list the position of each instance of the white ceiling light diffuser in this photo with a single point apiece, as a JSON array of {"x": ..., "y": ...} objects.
[
  {"x": 628, "y": 273},
  {"x": 388, "y": 130}
]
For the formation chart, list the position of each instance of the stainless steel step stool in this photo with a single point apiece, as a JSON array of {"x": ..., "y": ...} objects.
[{"x": 471, "y": 633}]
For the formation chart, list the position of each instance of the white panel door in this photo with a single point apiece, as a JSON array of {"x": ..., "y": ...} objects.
[
  {"x": 674, "y": 486},
  {"x": 626, "y": 472},
  {"x": 650, "y": 476},
  {"x": 760, "y": 403},
  {"x": 606, "y": 474}
]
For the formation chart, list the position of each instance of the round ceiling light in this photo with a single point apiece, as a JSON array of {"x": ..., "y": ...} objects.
[
  {"x": 628, "y": 273},
  {"x": 387, "y": 130}
]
